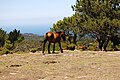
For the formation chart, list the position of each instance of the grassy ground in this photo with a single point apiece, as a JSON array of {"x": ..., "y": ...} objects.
[{"x": 70, "y": 65}]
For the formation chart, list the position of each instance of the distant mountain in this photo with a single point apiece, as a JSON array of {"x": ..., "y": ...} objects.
[{"x": 31, "y": 36}]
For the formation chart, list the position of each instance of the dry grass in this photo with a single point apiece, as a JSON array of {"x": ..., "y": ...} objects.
[{"x": 70, "y": 65}]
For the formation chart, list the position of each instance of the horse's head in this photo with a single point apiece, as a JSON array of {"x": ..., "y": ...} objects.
[{"x": 63, "y": 36}]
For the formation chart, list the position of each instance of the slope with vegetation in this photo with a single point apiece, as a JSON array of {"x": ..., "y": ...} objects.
[
  {"x": 8, "y": 41},
  {"x": 17, "y": 42}
]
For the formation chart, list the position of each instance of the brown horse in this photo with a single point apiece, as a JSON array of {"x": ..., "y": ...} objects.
[{"x": 53, "y": 38}]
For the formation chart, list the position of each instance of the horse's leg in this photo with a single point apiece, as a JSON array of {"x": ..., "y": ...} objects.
[
  {"x": 44, "y": 45},
  {"x": 60, "y": 47},
  {"x": 49, "y": 47},
  {"x": 53, "y": 48}
]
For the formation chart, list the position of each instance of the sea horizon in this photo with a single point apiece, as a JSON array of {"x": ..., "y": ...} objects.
[{"x": 34, "y": 29}]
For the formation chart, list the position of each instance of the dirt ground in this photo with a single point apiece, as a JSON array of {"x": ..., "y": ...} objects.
[{"x": 70, "y": 65}]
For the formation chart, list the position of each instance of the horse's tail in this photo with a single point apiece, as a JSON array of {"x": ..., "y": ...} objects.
[{"x": 46, "y": 36}]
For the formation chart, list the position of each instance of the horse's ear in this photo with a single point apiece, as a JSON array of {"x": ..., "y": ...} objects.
[{"x": 62, "y": 33}]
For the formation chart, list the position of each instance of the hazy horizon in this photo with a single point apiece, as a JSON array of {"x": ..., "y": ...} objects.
[
  {"x": 33, "y": 16},
  {"x": 35, "y": 29}
]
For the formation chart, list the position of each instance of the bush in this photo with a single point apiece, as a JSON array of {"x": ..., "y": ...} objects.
[
  {"x": 8, "y": 45},
  {"x": 71, "y": 45},
  {"x": 4, "y": 51},
  {"x": 27, "y": 46},
  {"x": 92, "y": 47},
  {"x": 34, "y": 50}
]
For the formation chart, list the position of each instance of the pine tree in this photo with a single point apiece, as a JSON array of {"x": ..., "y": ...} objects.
[
  {"x": 101, "y": 17},
  {"x": 2, "y": 37},
  {"x": 15, "y": 36}
]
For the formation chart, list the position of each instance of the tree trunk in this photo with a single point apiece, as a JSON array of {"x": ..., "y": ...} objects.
[
  {"x": 105, "y": 43},
  {"x": 69, "y": 39},
  {"x": 100, "y": 43},
  {"x": 74, "y": 38}
]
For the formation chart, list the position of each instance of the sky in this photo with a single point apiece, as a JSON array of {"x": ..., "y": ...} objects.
[{"x": 33, "y": 16}]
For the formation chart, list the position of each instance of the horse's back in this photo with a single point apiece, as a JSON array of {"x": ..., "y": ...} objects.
[
  {"x": 49, "y": 33},
  {"x": 52, "y": 37}
]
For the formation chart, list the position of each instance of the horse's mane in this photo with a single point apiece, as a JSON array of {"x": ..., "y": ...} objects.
[{"x": 59, "y": 32}]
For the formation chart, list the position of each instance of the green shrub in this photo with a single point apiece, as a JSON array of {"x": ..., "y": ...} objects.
[
  {"x": 8, "y": 45},
  {"x": 4, "y": 51},
  {"x": 110, "y": 46},
  {"x": 27, "y": 46},
  {"x": 71, "y": 45},
  {"x": 92, "y": 47},
  {"x": 34, "y": 50}
]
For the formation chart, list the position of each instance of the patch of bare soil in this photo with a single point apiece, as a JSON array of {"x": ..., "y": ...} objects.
[{"x": 70, "y": 65}]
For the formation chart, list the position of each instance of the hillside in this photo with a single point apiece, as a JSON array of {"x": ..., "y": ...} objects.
[
  {"x": 31, "y": 36},
  {"x": 70, "y": 65}
]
